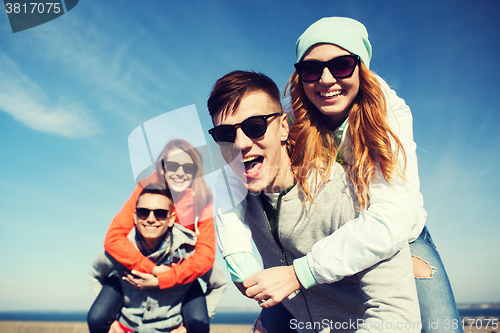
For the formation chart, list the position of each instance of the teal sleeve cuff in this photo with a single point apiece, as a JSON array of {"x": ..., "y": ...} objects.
[
  {"x": 241, "y": 265},
  {"x": 304, "y": 273}
]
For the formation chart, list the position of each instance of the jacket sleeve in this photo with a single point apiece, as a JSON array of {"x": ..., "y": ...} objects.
[
  {"x": 233, "y": 234},
  {"x": 118, "y": 245},
  {"x": 99, "y": 271},
  {"x": 391, "y": 295},
  {"x": 394, "y": 216},
  {"x": 200, "y": 262},
  {"x": 216, "y": 287}
]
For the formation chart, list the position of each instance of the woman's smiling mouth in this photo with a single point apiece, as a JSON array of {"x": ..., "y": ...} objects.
[{"x": 330, "y": 94}]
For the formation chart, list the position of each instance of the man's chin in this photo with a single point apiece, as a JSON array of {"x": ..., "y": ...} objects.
[{"x": 256, "y": 186}]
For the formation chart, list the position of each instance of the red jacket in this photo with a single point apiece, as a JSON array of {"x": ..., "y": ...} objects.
[{"x": 119, "y": 247}]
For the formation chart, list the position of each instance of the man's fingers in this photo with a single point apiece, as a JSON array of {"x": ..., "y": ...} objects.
[
  {"x": 267, "y": 303},
  {"x": 253, "y": 291},
  {"x": 251, "y": 280},
  {"x": 130, "y": 279}
]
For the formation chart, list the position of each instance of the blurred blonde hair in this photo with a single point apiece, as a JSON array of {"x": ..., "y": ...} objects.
[{"x": 202, "y": 193}]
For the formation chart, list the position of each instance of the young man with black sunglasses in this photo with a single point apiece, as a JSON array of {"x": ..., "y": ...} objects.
[
  {"x": 252, "y": 133},
  {"x": 164, "y": 242},
  {"x": 252, "y": 129}
]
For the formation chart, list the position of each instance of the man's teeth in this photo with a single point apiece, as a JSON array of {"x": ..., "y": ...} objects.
[
  {"x": 330, "y": 94},
  {"x": 149, "y": 227},
  {"x": 248, "y": 159}
]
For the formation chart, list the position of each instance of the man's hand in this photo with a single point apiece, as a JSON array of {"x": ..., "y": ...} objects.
[
  {"x": 142, "y": 280},
  {"x": 180, "y": 329},
  {"x": 270, "y": 286},
  {"x": 115, "y": 328},
  {"x": 241, "y": 288}
]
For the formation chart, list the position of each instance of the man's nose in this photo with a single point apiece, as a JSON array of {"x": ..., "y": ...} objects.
[
  {"x": 151, "y": 217},
  {"x": 242, "y": 141}
]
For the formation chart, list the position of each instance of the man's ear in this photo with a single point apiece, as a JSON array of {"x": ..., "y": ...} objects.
[
  {"x": 285, "y": 127},
  {"x": 171, "y": 220}
]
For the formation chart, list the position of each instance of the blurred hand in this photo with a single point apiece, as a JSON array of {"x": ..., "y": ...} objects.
[
  {"x": 180, "y": 329},
  {"x": 258, "y": 328},
  {"x": 161, "y": 269},
  {"x": 115, "y": 328},
  {"x": 270, "y": 286},
  {"x": 141, "y": 280}
]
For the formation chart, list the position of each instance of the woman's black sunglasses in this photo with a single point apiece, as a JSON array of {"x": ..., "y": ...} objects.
[
  {"x": 340, "y": 67},
  {"x": 253, "y": 127},
  {"x": 143, "y": 213},
  {"x": 189, "y": 168}
]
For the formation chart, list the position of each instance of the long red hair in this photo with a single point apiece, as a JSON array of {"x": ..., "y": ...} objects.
[{"x": 370, "y": 136}]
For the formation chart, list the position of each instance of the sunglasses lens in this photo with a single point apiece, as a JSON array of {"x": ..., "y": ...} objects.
[
  {"x": 142, "y": 213},
  {"x": 189, "y": 168},
  {"x": 172, "y": 166},
  {"x": 224, "y": 135},
  {"x": 309, "y": 71},
  {"x": 254, "y": 127},
  {"x": 342, "y": 66},
  {"x": 161, "y": 214}
]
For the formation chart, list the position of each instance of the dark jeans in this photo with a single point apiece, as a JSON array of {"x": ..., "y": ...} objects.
[
  {"x": 110, "y": 301},
  {"x": 276, "y": 319},
  {"x": 194, "y": 310},
  {"x": 106, "y": 306}
]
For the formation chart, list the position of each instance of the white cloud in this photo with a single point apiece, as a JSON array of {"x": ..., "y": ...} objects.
[{"x": 28, "y": 103}]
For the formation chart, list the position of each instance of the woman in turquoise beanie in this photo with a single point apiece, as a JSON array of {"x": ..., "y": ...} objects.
[{"x": 345, "y": 113}]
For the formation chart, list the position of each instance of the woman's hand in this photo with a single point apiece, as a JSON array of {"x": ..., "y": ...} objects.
[
  {"x": 270, "y": 286},
  {"x": 141, "y": 280}
]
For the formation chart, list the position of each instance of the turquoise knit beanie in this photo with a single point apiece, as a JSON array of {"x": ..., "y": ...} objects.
[{"x": 345, "y": 32}]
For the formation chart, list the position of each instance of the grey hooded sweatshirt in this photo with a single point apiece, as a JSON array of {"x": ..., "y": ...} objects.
[{"x": 382, "y": 298}]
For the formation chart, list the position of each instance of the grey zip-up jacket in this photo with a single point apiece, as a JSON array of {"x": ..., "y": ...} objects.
[
  {"x": 149, "y": 310},
  {"x": 383, "y": 297}
]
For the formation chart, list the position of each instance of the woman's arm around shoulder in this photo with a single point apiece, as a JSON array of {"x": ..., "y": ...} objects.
[
  {"x": 116, "y": 242},
  {"x": 200, "y": 262}
]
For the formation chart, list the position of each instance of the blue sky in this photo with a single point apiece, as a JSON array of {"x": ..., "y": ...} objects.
[{"x": 73, "y": 90}]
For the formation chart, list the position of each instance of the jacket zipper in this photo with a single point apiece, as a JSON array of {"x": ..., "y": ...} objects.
[{"x": 283, "y": 253}]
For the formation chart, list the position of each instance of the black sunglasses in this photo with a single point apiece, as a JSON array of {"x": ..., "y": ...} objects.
[
  {"x": 143, "y": 213},
  {"x": 253, "y": 127},
  {"x": 340, "y": 67},
  {"x": 188, "y": 168}
]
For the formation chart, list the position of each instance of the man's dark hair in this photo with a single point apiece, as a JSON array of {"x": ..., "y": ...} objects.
[
  {"x": 229, "y": 90},
  {"x": 156, "y": 188}
]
